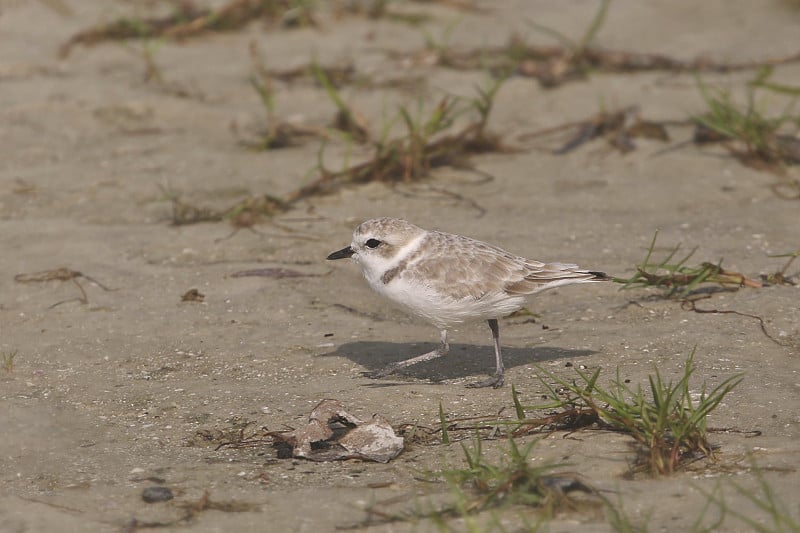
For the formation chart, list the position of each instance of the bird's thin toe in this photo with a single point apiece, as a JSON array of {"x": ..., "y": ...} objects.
[
  {"x": 382, "y": 372},
  {"x": 494, "y": 382}
]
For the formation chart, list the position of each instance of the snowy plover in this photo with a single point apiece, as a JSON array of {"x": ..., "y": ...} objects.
[{"x": 449, "y": 279}]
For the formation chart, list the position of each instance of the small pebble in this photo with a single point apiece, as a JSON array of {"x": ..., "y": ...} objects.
[{"x": 157, "y": 494}]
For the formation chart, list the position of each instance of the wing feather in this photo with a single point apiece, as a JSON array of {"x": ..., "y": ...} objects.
[{"x": 474, "y": 269}]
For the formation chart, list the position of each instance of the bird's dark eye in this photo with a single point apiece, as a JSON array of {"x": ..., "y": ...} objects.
[{"x": 373, "y": 243}]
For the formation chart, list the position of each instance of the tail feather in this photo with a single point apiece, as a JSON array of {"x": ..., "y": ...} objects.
[
  {"x": 554, "y": 277},
  {"x": 599, "y": 276}
]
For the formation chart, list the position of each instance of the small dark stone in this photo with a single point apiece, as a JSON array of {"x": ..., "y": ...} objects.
[
  {"x": 193, "y": 295},
  {"x": 157, "y": 494},
  {"x": 567, "y": 364},
  {"x": 563, "y": 484},
  {"x": 283, "y": 450}
]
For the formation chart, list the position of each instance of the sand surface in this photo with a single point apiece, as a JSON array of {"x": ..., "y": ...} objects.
[{"x": 107, "y": 397}]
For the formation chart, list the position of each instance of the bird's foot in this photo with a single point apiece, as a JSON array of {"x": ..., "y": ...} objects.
[
  {"x": 394, "y": 367},
  {"x": 382, "y": 372},
  {"x": 496, "y": 381}
]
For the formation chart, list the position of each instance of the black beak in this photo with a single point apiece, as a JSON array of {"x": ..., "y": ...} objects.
[{"x": 341, "y": 254}]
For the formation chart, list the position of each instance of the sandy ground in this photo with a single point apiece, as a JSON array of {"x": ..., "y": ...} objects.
[{"x": 107, "y": 397}]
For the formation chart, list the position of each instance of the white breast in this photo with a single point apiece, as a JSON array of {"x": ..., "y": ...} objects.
[{"x": 433, "y": 304}]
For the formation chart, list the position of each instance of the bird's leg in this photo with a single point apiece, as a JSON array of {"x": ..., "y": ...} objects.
[
  {"x": 394, "y": 367},
  {"x": 497, "y": 380}
]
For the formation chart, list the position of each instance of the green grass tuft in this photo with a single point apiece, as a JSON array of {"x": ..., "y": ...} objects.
[
  {"x": 8, "y": 361},
  {"x": 667, "y": 424},
  {"x": 678, "y": 278}
]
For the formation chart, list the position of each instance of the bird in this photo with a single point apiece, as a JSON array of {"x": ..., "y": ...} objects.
[{"x": 448, "y": 279}]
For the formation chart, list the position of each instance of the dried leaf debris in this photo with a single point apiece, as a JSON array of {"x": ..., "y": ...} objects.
[
  {"x": 334, "y": 434},
  {"x": 61, "y": 274}
]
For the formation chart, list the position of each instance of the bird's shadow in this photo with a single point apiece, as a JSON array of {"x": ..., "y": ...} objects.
[{"x": 463, "y": 360}]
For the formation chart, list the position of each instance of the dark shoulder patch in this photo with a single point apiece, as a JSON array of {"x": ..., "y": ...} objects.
[{"x": 392, "y": 273}]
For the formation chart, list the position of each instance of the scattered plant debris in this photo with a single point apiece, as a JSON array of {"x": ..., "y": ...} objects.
[
  {"x": 751, "y": 137},
  {"x": 780, "y": 277},
  {"x": 279, "y": 134},
  {"x": 515, "y": 480},
  {"x": 61, "y": 274},
  {"x": 184, "y": 213},
  {"x": 618, "y": 127},
  {"x": 337, "y": 75},
  {"x": 340, "y": 75},
  {"x": 190, "y": 510},
  {"x": 205, "y": 503},
  {"x": 132, "y": 28},
  {"x": 571, "y": 60},
  {"x": 252, "y": 210},
  {"x": 190, "y": 21},
  {"x": 484, "y": 484},
  {"x": 426, "y": 145},
  {"x": 379, "y": 9},
  {"x": 332, "y": 434},
  {"x": 690, "y": 304},
  {"x": 453, "y": 429},
  {"x": 347, "y": 120},
  {"x": 556, "y": 65},
  {"x": 678, "y": 279},
  {"x": 147, "y": 53},
  {"x": 243, "y": 214},
  {"x": 193, "y": 295},
  {"x": 667, "y": 422},
  {"x": 682, "y": 283},
  {"x": 236, "y": 434}
]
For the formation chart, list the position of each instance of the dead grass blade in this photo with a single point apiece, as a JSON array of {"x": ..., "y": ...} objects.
[
  {"x": 243, "y": 214},
  {"x": 190, "y": 21},
  {"x": 678, "y": 279},
  {"x": 61, "y": 274},
  {"x": 133, "y": 28},
  {"x": 619, "y": 128}
]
